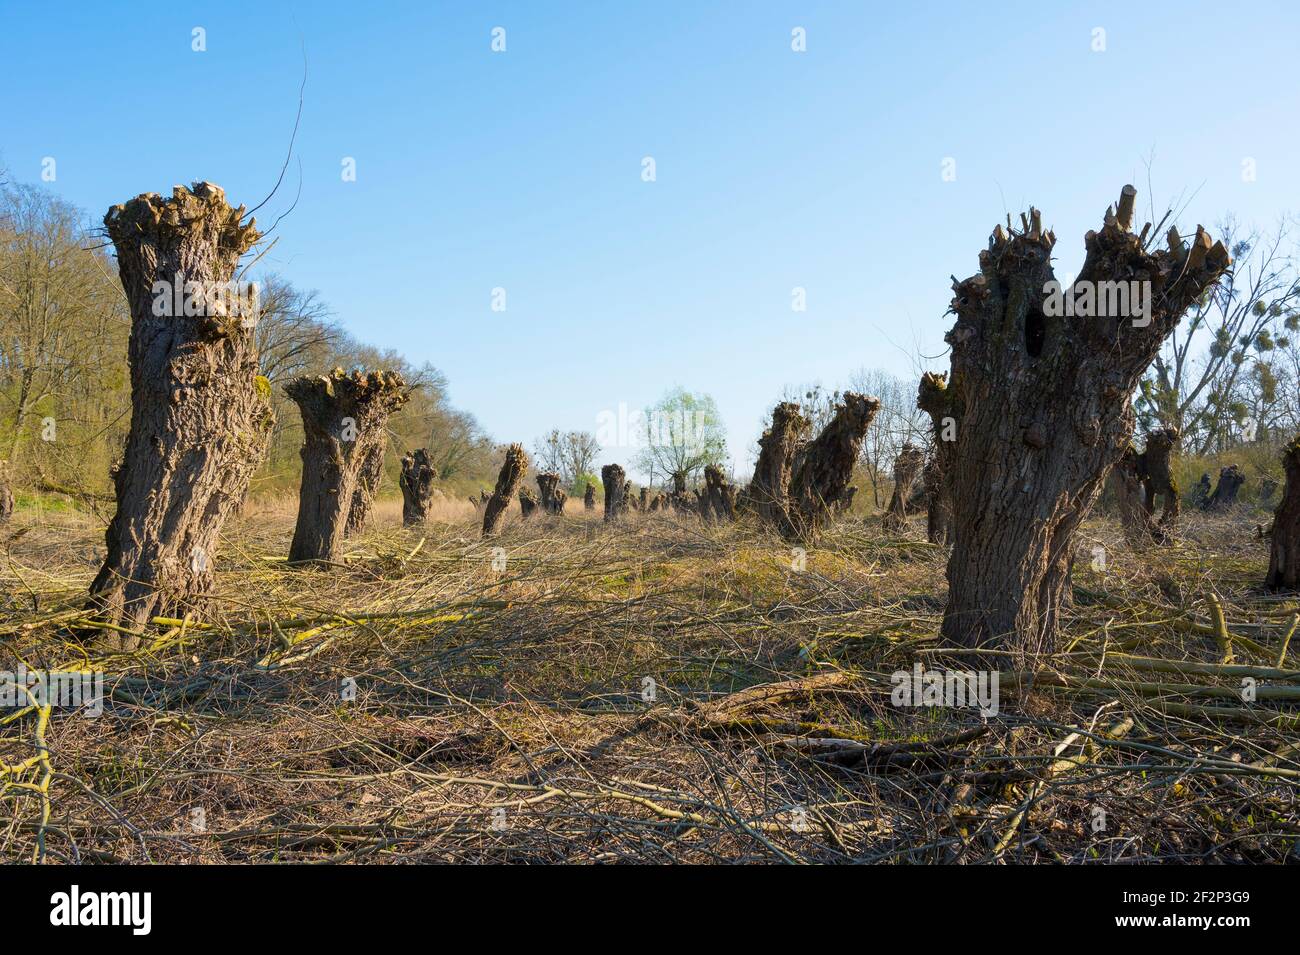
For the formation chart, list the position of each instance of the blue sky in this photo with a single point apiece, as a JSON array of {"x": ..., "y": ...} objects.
[{"x": 774, "y": 169}]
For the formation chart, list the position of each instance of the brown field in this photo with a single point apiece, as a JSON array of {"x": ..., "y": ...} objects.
[{"x": 499, "y": 713}]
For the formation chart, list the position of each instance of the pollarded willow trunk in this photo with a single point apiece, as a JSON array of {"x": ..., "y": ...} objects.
[
  {"x": 936, "y": 400},
  {"x": 416, "y": 484},
  {"x": 528, "y": 503},
  {"x": 1126, "y": 487},
  {"x": 1201, "y": 492},
  {"x": 1284, "y": 554},
  {"x": 615, "y": 481},
  {"x": 589, "y": 497},
  {"x": 6, "y": 494},
  {"x": 343, "y": 417},
  {"x": 200, "y": 414},
  {"x": 547, "y": 485},
  {"x": 367, "y": 489},
  {"x": 1043, "y": 378},
  {"x": 907, "y": 466},
  {"x": 513, "y": 470},
  {"x": 1156, "y": 471},
  {"x": 1225, "y": 492},
  {"x": 769, "y": 490},
  {"x": 720, "y": 496},
  {"x": 823, "y": 467}
]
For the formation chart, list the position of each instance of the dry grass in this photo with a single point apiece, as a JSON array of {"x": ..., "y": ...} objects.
[{"x": 499, "y": 712}]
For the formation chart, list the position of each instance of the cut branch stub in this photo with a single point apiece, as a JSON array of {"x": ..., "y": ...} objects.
[
  {"x": 1043, "y": 377},
  {"x": 200, "y": 414},
  {"x": 907, "y": 466},
  {"x": 416, "y": 483},
  {"x": 367, "y": 489},
  {"x": 769, "y": 490},
  {"x": 343, "y": 418},
  {"x": 615, "y": 481},
  {"x": 1284, "y": 548},
  {"x": 1225, "y": 492},
  {"x": 824, "y": 466},
  {"x": 512, "y": 475}
]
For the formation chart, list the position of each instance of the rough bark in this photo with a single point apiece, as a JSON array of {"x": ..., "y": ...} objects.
[
  {"x": 907, "y": 466},
  {"x": 552, "y": 497},
  {"x": 1125, "y": 484},
  {"x": 615, "y": 481},
  {"x": 1225, "y": 492},
  {"x": 720, "y": 496},
  {"x": 936, "y": 400},
  {"x": 1045, "y": 413},
  {"x": 589, "y": 497},
  {"x": 528, "y": 502},
  {"x": 6, "y": 494},
  {"x": 824, "y": 466},
  {"x": 343, "y": 417},
  {"x": 1284, "y": 548},
  {"x": 416, "y": 483},
  {"x": 200, "y": 414},
  {"x": 367, "y": 489},
  {"x": 512, "y": 475},
  {"x": 1155, "y": 469},
  {"x": 769, "y": 490}
]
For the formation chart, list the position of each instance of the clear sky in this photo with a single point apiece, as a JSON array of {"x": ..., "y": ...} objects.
[{"x": 774, "y": 169}]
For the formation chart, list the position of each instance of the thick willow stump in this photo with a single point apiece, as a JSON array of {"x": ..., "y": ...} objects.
[
  {"x": 615, "y": 481},
  {"x": 1125, "y": 484},
  {"x": 552, "y": 497},
  {"x": 1284, "y": 552},
  {"x": 934, "y": 398},
  {"x": 629, "y": 499},
  {"x": 6, "y": 494},
  {"x": 907, "y": 467},
  {"x": 416, "y": 483},
  {"x": 1225, "y": 492},
  {"x": 644, "y": 504},
  {"x": 200, "y": 414},
  {"x": 719, "y": 496},
  {"x": 368, "y": 479},
  {"x": 512, "y": 475},
  {"x": 1156, "y": 471},
  {"x": 823, "y": 467},
  {"x": 343, "y": 417},
  {"x": 1045, "y": 411},
  {"x": 528, "y": 502},
  {"x": 1201, "y": 492},
  {"x": 769, "y": 490},
  {"x": 589, "y": 497}
]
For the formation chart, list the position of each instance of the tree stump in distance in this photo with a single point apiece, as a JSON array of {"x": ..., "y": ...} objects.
[
  {"x": 1284, "y": 548},
  {"x": 934, "y": 398},
  {"x": 1045, "y": 411},
  {"x": 615, "y": 481},
  {"x": 1125, "y": 483},
  {"x": 644, "y": 504},
  {"x": 824, "y": 466},
  {"x": 368, "y": 479},
  {"x": 343, "y": 417},
  {"x": 552, "y": 498},
  {"x": 1201, "y": 493},
  {"x": 416, "y": 484},
  {"x": 769, "y": 489},
  {"x": 589, "y": 497},
  {"x": 1155, "y": 469},
  {"x": 201, "y": 414},
  {"x": 720, "y": 495},
  {"x": 511, "y": 476},
  {"x": 907, "y": 466},
  {"x": 6, "y": 494},
  {"x": 528, "y": 502},
  {"x": 1225, "y": 492}
]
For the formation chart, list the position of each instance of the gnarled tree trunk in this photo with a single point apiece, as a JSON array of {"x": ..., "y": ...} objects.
[
  {"x": 512, "y": 474},
  {"x": 769, "y": 490},
  {"x": 200, "y": 414},
  {"x": 615, "y": 481},
  {"x": 934, "y": 398},
  {"x": 416, "y": 483},
  {"x": 1225, "y": 492},
  {"x": 823, "y": 467},
  {"x": 1126, "y": 486},
  {"x": 528, "y": 502},
  {"x": 907, "y": 466},
  {"x": 343, "y": 418},
  {"x": 552, "y": 498},
  {"x": 1284, "y": 548},
  {"x": 1045, "y": 412},
  {"x": 368, "y": 479},
  {"x": 719, "y": 495},
  {"x": 1156, "y": 471}
]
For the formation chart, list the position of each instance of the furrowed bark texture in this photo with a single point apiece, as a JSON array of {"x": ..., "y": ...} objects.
[
  {"x": 512, "y": 475},
  {"x": 1225, "y": 492},
  {"x": 769, "y": 490},
  {"x": 1284, "y": 554},
  {"x": 1045, "y": 414},
  {"x": 416, "y": 483},
  {"x": 615, "y": 481},
  {"x": 907, "y": 466},
  {"x": 344, "y": 417},
  {"x": 368, "y": 478},
  {"x": 824, "y": 465},
  {"x": 934, "y": 398},
  {"x": 200, "y": 414}
]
